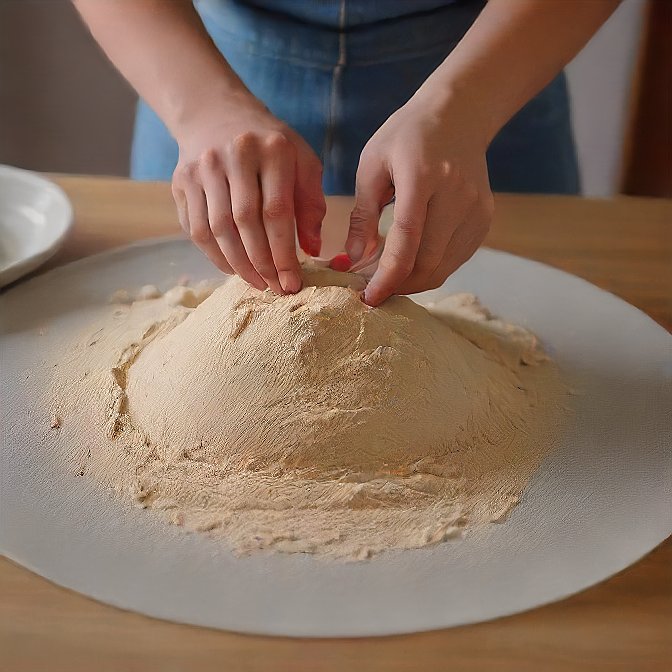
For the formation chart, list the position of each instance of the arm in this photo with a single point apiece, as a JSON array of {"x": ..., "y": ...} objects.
[
  {"x": 243, "y": 177},
  {"x": 431, "y": 153}
]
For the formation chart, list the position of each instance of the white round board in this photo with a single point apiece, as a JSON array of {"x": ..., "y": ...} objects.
[{"x": 596, "y": 505}]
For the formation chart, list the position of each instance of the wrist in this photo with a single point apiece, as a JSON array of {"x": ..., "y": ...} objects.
[
  {"x": 195, "y": 110},
  {"x": 476, "y": 86},
  {"x": 460, "y": 105}
]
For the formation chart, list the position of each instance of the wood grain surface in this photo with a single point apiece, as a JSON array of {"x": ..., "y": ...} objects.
[{"x": 622, "y": 624}]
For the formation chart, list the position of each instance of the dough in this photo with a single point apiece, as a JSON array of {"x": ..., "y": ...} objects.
[{"x": 312, "y": 423}]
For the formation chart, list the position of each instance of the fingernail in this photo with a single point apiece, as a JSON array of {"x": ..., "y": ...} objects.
[
  {"x": 315, "y": 247},
  {"x": 355, "y": 249},
  {"x": 341, "y": 262},
  {"x": 290, "y": 281}
]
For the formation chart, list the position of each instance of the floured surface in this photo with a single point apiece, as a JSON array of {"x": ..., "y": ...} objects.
[
  {"x": 309, "y": 423},
  {"x": 595, "y": 505}
]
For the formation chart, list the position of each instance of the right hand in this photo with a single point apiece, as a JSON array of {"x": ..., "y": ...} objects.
[{"x": 243, "y": 184}]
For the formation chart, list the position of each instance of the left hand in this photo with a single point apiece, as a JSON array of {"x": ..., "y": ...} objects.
[{"x": 433, "y": 163}]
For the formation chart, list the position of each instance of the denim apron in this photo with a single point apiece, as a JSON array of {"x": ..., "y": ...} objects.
[{"x": 335, "y": 70}]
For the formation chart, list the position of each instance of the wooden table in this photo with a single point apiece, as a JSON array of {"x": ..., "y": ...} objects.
[{"x": 624, "y": 623}]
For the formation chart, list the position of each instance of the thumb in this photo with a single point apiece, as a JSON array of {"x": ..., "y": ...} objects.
[
  {"x": 309, "y": 205},
  {"x": 373, "y": 190}
]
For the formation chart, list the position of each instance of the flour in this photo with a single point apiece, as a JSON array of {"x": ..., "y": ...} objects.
[{"x": 310, "y": 423}]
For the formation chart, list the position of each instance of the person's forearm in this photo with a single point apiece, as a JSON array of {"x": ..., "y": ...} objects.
[
  {"x": 163, "y": 50},
  {"x": 512, "y": 51}
]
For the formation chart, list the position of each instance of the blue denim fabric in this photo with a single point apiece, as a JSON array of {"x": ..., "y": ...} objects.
[{"x": 336, "y": 70}]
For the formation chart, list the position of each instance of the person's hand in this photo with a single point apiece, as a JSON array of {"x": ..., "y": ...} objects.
[
  {"x": 242, "y": 181},
  {"x": 433, "y": 163}
]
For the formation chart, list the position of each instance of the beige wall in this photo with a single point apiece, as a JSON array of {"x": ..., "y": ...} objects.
[
  {"x": 62, "y": 106},
  {"x": 600, "y": 83}
]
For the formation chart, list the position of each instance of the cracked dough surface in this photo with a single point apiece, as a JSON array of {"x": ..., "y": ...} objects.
[{"x": 309, "y": 423}]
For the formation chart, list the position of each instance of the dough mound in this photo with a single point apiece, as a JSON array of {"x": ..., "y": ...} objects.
[
  {"x": 317, "y": 382},
  {"x": 310, "y": 423}
]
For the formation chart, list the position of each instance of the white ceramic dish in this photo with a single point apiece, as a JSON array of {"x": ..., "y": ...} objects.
[
  {"x": 35, "y": 218},
  {"x": 596, "y": 505}
]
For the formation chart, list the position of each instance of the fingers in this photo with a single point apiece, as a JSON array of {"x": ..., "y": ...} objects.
[
  {"x": 181, "y": 204},
  {"x": 446, "y": 212},
  {"x": 465, "y": 240},
  {"x": 373, "y": 190},
  {"x": 402, "y": 244},
  {"x": 224, "y": 229},
  {"x": 195, "y": 215},
  {"x": 246, "y": 206},
  {"x": 309, "y": 204},
  {"x": 277, "y": 188},
  {"x": 239, "y": 202}
]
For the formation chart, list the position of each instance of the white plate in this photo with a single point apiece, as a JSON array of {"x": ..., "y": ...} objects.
[
  {"x": 597, "y": 505},
  {"x": 35, "y": 217}
]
